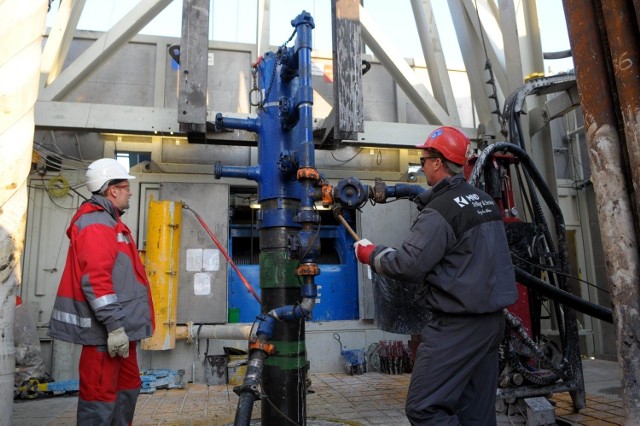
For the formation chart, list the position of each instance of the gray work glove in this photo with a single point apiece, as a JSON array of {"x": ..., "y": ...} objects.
[{"x": 118, "y": 343}]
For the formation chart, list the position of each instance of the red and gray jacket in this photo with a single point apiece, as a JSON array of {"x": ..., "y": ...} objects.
[{"x": 103, "y": 285}]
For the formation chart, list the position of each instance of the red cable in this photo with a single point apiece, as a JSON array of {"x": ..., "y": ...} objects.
[{"x": 224, "y": 252}]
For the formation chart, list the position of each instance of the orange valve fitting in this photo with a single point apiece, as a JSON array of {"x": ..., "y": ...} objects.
[
  {"x": 308, "y": 269},
  {"x": 308, "y": 173},
  {"x": 327, "y": 195},
  {"x": 267, "y": 348}
]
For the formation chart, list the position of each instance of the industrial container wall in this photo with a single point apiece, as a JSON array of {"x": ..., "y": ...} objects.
[
  {"x": 151, "y": 80},
  {"x": 337, "y": 283},
  {"x": 202, "y": 294}
]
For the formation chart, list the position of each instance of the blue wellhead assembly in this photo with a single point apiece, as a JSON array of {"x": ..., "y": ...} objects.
[{"x": 289, "y": 235}]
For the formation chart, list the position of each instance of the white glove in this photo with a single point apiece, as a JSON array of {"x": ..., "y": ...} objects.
[
  {"x": 118, "y": 343},
  {"x": 363, "y": 242}
]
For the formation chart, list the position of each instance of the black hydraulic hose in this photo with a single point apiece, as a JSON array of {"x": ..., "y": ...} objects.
[
  {"x": 244, "y": 409},
  {"x": 537, "y": 178},
  {"x": 515, "y": 129},
  {"x": 534, "y": 197},
  {"x": 557, "y": 55},
  {"x": 566, "y": 298},
  {"x": 534, "y": 175},
  {"x": 248, "y": 392}
]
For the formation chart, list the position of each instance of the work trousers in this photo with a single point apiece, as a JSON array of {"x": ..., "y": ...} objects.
[
  {"x": 109, "y": 387},
  {"x": 455, "y": 374}
]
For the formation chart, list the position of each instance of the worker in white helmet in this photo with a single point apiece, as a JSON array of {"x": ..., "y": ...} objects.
[{"x": 103, "y": 300}]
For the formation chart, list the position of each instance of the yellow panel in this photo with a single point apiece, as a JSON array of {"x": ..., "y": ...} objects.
[{"x": 162, "y": 261}]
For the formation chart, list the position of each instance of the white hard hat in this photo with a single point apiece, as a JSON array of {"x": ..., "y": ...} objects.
[{"x": 102, "y": 171}]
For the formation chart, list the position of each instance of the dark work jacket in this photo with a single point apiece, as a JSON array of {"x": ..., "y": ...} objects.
[{"x": 457, "y": 247}]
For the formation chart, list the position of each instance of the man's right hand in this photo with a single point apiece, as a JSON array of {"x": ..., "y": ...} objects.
[
  {"x": 364, "y": 248},
  {"x": 118, "y": 343}
]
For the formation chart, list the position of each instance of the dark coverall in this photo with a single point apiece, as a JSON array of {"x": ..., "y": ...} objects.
[
  {"x": 458, "y": 249},
  {"x": 103, "y": 287}
]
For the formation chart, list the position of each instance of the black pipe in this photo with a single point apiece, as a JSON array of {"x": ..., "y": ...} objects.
[
  {"x": 571, "y": 300},
  {"x": 248, "y": 392},
  {"x": 557, "y": 55}
]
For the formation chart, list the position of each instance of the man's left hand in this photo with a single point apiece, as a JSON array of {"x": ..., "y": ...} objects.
[
  {"x": 118, "y": 343},
  {"x": 364, "y": 248}
]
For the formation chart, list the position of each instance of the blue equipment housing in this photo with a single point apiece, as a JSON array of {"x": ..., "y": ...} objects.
[{"x": 337, "y": 284}]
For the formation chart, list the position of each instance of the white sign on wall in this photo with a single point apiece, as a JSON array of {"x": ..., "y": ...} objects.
[
  {"x": 211, "y": 259},
  {"x": 194, "y": 260},
  {"x": 201, "y": 284},
  {"x": 199, "y": 260}
]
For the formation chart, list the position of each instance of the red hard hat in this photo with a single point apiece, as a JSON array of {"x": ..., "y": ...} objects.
[{"x": 450, "y": 142}]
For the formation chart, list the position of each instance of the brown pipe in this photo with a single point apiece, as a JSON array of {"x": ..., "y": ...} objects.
[
  {"x": 349, "y": 229},
  {"x": 610, "y": 186},
  {"x": 624, "y": 45},
  {"x": 192, "y": 331}
]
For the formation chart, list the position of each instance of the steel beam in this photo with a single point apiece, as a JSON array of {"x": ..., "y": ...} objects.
[
  {"x": 471, "y": 48},
  {"x": 488, "y": 35},
  {"x": 263, "y": 28},
  {"x": 102, "y": 48},
  {"x": 59, "y": 39},
  {"x": 402, "y": 73},
  {"x": 512, "y": 59},
  {"x": 148, "y": 120},
  {"x": 434, "y": 58},
  {"x": 105, "y": 118}
]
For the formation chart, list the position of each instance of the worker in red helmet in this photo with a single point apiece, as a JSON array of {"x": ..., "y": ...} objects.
[
  {"x": 457, "y": 248},
  {"x": 104, "y": 301}
]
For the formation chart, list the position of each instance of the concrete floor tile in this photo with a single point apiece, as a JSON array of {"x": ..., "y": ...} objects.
[
  {"x": 597, "y": 423},
  {"x": 371, "y": 399}
]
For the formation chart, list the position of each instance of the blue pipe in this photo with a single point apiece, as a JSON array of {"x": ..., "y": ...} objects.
[
  {"x": 404, "y": 190},
  {"x": 289, "y": 313},
  {"x": 251, "y": 172},
  {"x": 250, "y": 124},
  {"x": 350, "y": 193},
  {"x": 304, "y": 95}
]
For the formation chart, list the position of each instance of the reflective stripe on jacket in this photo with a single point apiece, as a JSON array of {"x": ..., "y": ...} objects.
[{"x": 103, "y": 285}]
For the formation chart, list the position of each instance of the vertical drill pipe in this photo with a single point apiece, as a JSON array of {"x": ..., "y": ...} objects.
[
  {"x": 289, "y": 245},
  {"x": 610, "y": 185},
  {"x": 624, "y": 44},
  {"x": 284, "y": 373}
]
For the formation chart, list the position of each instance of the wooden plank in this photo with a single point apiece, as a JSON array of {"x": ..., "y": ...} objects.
[{"x": 347, "y": 69}]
